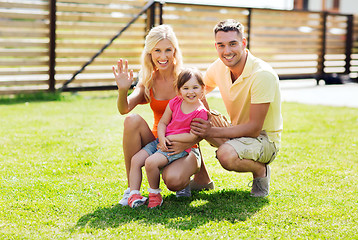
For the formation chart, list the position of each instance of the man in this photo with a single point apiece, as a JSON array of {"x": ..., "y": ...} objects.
[{"x": 250, "y": 90}]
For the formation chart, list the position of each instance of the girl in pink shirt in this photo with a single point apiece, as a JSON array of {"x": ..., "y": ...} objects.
[{"x": 173, "y": 126}]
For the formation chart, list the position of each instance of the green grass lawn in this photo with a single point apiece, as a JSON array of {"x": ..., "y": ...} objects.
[{"x": 62, "y": 173}]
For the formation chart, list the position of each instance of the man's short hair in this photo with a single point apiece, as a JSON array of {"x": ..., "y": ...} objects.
[{"x": 230, "y": 25}]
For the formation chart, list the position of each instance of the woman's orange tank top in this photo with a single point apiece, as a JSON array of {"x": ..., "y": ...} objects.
[{"x": 158, "y": 108}]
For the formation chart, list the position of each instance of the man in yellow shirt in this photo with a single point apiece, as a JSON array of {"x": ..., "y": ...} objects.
[{"x": 250, "y": 90}]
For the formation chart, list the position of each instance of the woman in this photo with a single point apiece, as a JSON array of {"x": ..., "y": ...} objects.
[{"x": 161, "y": 62}]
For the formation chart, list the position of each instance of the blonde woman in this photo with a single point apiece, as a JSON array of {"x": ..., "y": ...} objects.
[{"x": 161, "y": 62}]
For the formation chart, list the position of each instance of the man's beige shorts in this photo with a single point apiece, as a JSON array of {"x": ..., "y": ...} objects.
[{"x": 259, "y": 149}]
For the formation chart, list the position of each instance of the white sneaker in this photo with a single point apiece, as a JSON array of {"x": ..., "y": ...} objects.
[{"x": 124, "y": 200}]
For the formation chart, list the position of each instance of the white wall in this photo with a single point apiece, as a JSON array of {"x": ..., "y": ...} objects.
[
  {"x": 349, "y": 6},
  {"x": 346, "y": 6},
  {"x": 275, "y": 4}
]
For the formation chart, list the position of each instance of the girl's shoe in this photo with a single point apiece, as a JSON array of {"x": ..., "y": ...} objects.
[
  {"x": 136, "y": 200},
  {"x": 155, "y": 200}
]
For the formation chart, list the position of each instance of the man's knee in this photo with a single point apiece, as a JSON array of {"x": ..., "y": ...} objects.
[{"x": 227, "y": 157}]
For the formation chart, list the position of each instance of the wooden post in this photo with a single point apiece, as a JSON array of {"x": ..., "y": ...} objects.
[
  {"x": 349, "y": 40},
  {"x": 150, "y": 18},
  {"x": 151, "y": 15},
  {"x": 249, "y": 27},
  {"x": 298, "y": 4},
  {"x": 160, "y": 13},
  {"x": 324, "y": 7},
  {"x": 52, "y": 46},
  {"x": 335, "y": 7},
  {"x": 322, "y": 53}
]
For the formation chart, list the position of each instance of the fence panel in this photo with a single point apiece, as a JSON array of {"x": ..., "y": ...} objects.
[
  {"x": 289, "y": 41},
  {"x": 293, "y": 42},
  {"x": 336, "y": 34},
  {"x": 24, "y": 44},
  {"x": 354, "y": 62},
  {"x": 193, "y": 25},
  {"x": 84, "y": 27}
]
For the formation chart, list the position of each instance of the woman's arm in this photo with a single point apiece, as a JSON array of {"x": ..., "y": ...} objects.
[
  {"x": 124, "y": 81},
  {"x": 126, "y": 103}
]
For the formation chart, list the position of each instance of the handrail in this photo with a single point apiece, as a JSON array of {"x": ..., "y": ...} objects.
[{"x": 144, "y": 9}]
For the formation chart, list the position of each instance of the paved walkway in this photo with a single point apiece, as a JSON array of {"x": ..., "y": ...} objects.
[{"x": 308, "y": 92}]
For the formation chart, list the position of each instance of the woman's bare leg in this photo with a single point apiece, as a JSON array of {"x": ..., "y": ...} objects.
[
  {"x": 136, "y": 134},
  {"x": 202, "y": 177},
  {"x": 177, "y": 174}
]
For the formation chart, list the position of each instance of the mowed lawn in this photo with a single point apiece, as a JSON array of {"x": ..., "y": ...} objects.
[{"x": 62, "y": 174}]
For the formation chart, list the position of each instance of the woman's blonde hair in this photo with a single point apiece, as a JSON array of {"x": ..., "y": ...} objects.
[{"x": 147, "y": 71}]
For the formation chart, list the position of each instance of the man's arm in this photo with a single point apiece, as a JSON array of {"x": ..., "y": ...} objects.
[{"x": 252, "y": 128}]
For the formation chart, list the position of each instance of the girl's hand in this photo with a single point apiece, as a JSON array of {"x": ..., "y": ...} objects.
[
  {"x": 162, "y": 145},
  {"x": 123, "y": 79}
]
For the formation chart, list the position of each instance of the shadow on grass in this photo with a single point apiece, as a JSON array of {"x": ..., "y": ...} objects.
[
  {"x": 45, "y": 96},
  {"x": 31, "y": 97},
  {"x": 180, "y": 213}
]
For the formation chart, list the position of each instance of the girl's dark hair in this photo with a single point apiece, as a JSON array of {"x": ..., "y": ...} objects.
[{"x": 186, "y": 75}]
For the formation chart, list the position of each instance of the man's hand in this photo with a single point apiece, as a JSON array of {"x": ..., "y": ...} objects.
[
  {"x": 200, "y": 127},
  {"x": 178, "y": 147}
]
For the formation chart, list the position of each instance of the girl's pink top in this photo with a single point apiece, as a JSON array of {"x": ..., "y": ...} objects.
[{"x": 180, "y": 122}]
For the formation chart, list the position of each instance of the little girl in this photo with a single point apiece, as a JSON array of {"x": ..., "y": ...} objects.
[{"x": 173, "y": 126}]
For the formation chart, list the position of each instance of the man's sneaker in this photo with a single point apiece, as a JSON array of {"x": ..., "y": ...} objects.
[
  {"x": 155, "y": 200},
  {"x": 185, "y": 192},
  {"x": 198, "y": 187},
  {"x": 124, "y": 200},
  {"x": 136, "y": 200},
  {"x": 261, "y": 185}
]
